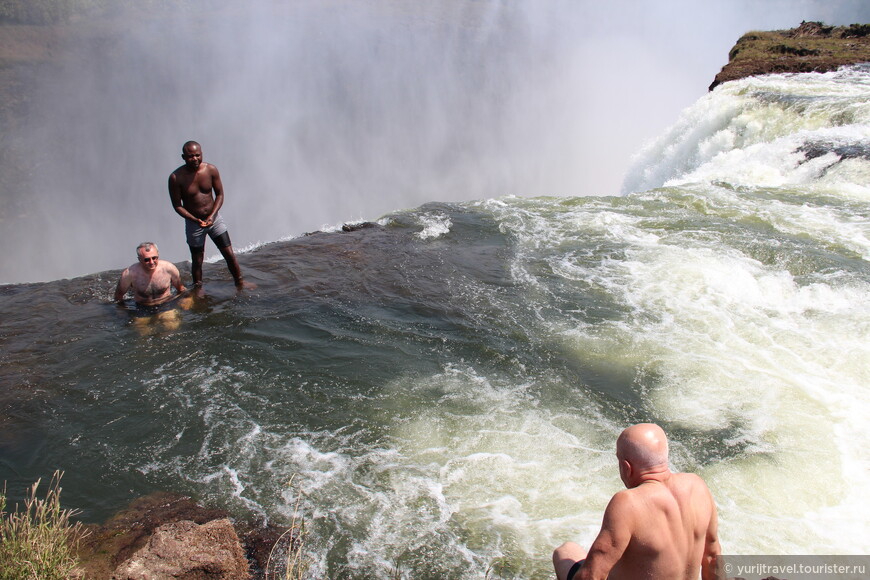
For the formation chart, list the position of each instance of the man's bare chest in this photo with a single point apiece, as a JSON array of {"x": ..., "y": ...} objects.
[
  {"x": 152, "y": 286},
  {"x": 194, "y": 186}
]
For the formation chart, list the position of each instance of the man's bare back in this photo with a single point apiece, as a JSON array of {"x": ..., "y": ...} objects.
[
  {"x": 668, "y": 521},
  {"x": 663, "y": 526}
]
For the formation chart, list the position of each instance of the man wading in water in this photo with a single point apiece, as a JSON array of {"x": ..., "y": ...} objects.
[
  {"x": 662, "y": 527},
  {"x": 151, "y": 280},
  {"x": 190, "y": 188}
]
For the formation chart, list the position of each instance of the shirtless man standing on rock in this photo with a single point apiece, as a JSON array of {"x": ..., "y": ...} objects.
[
  {"x": 662, "y": 527},
  {"x": 190, "y": 189}
]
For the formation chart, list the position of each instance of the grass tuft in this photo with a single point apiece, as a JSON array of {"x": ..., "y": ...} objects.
[
  {"x": 38, "y": 542},
  {"x": 287, "y": 560}
]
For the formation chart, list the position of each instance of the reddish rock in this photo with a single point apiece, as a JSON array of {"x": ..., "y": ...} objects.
[
  {"x": 188, "y": 551},
  {"x": 109, "y": 545}
]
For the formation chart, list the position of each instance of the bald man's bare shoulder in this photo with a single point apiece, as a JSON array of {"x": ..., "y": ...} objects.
[{"x": 688, "y": 481}]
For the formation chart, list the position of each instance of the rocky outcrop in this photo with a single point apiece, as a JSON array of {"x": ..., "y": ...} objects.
[
  {"x": 166, "y": 535},
  {"x": 188, "y": 551},
  {"x": 811, "y": 47}
]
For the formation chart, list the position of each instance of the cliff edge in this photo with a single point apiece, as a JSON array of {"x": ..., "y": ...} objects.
[{"x": 811, "y": 47}]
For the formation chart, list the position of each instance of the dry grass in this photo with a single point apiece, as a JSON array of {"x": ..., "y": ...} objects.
[
  {"x": 287, "y": 560},
  {"x": 38, "y": 542},
  {"x": 775, "y": 44}
]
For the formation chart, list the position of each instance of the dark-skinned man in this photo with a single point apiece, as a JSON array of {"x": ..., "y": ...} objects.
[{"x": 197, "y": 195}]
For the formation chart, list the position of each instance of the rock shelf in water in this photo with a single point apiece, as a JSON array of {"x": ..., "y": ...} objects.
[{"x": 811, "y": 47}]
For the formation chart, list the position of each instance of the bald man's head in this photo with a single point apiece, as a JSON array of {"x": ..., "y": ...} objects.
[{"x": 644, "y": 445}]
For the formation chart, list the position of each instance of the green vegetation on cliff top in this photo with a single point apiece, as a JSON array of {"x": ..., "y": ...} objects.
[{"x": 811, "y": 47}]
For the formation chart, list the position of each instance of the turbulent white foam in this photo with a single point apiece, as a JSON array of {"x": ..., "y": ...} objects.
[
  {"x": 738, "y": 344},
  {"x": 484, "y": 479},
  {"x": 746, "y": 343},
  {"x": 749, "y": 132},
  {"x": 434, "y": 225},
  {"x": 733, "y": 345}
]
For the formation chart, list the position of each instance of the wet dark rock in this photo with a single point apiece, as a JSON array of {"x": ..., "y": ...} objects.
[
  {"x": 840, "y": 152},
  {"x": 850, "y": 151},
  {"x": 357, "y": 227}
]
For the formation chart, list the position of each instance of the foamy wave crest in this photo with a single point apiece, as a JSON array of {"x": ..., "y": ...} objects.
[
  {"x": 434, "y": 225},
  {"x": 775, "y": 131}
]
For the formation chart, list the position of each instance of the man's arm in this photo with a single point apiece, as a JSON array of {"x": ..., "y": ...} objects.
[
  {"x": 175, "y": 197},
  {"x": 712, "y": 549},
  {"x": 123, "y": 285},
  {"x": 218, "y": 187},
  {"x": 612, "y": 540},
  {"x": 175, "y": 278}
]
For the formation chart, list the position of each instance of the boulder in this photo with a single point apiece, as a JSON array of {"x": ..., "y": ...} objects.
[
  {"x": 106, "y": 546},
  {"x": 186, "y": 550}
]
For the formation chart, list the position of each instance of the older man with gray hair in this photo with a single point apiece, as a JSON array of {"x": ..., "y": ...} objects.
[{"x": 151, "y": 278}]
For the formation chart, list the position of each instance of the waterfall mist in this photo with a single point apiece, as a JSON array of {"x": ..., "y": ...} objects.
[{"x": 322, "y": 112}]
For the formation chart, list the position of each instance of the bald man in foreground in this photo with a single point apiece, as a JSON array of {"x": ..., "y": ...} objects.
[{"x": 663, "y": 526}]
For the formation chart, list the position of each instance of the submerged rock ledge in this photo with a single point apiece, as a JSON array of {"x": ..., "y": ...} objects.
[{"x": 811, "y": 47}]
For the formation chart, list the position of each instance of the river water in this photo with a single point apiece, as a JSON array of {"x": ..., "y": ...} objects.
[{"x": 441, "y": 392}]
